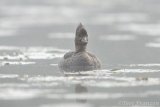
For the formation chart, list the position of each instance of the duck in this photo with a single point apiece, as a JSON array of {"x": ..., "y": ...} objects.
[{"x": 80, "y": 59}]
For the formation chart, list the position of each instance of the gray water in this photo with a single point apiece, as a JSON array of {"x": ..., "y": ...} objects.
[{"x": 35, "y": 34}]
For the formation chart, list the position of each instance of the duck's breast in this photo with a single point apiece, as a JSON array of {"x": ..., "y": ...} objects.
[{"x": 81, "y": 61}]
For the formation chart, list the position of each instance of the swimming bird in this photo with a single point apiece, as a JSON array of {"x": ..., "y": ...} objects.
[{"x": 80, "y": 59}]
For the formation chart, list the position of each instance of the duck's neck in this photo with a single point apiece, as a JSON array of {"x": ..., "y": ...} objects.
[{"x": 80, "y": 48}]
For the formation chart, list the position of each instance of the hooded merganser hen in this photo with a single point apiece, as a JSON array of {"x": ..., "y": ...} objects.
[{"x": 80, "y": 59}]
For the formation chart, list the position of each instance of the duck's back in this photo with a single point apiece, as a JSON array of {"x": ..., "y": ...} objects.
[{"x": 81, "y": 61}]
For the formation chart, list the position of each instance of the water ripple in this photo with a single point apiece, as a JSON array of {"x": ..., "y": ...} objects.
[
  {"x": 24, "y": 53},
  {"x": 61, "y": 35},
  {"x": 117, "y": 37},
  {"x": 102, "y": 96},
  {"x": 9, "y": 76},
  {"x": 20, "y": 94}
]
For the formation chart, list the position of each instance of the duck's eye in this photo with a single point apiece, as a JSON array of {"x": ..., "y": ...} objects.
[{"x": 83, "y": 35}]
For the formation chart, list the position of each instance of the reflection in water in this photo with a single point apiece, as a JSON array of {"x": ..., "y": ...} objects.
[
  {"x": 57, "y": 88},
  {"x": 79, "y": 89}
]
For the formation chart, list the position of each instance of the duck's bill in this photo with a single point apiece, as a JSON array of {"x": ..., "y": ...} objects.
[{"x": 84, "y": 40}]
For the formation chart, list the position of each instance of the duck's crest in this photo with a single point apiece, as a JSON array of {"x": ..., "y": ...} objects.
[
  {"x": 80, "y": 24},
  {"x": 80, "y": 29}
]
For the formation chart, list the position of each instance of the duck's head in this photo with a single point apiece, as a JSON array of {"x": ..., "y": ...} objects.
[{"x": 81, "y": 38}]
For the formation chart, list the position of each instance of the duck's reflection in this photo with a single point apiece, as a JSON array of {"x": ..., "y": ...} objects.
[{"x": 79, "y": 89}]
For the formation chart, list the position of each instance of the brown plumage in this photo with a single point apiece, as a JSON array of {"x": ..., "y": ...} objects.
[{"x": 80, "y": 59}]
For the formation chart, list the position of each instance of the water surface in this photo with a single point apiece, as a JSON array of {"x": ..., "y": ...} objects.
[{"x": 124, "y": 34}]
